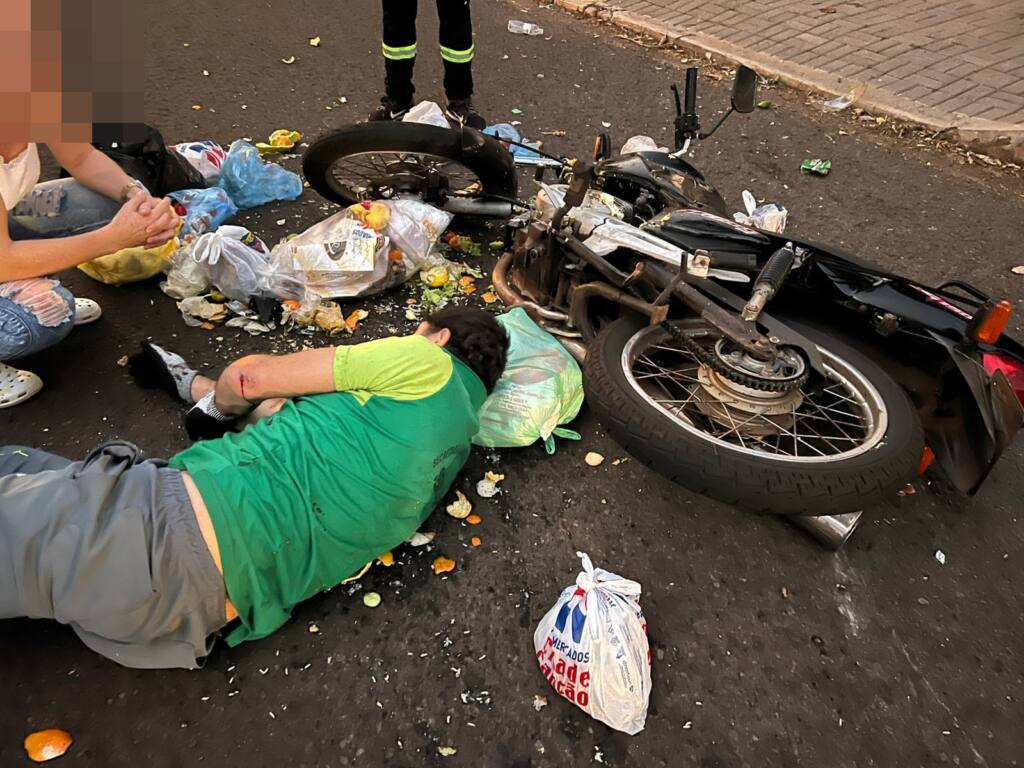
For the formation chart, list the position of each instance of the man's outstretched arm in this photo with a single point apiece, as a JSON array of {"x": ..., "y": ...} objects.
[{"x": 250, "y": 380}]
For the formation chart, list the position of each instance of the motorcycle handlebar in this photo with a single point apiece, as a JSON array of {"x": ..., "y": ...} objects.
[
  {"x": 741, "y": 261},
  {"x": 690, "y": 94}
]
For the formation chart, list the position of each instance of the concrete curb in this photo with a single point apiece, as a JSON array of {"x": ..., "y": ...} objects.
[{"x": 1001, "y": 140}]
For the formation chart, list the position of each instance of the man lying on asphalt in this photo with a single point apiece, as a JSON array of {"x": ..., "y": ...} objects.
[{"x": 348, "y": 452}]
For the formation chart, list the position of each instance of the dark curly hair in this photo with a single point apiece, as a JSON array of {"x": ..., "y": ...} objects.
[{"x": 477, "y": 340}]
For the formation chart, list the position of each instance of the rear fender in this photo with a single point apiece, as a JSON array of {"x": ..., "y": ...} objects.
[{"x": 978, "y": 419}]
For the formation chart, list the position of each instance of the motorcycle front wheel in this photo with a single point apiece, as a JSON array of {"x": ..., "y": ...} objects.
[
  {"x": 382, "y": 160},
  {"x": 827, "y": 447}
]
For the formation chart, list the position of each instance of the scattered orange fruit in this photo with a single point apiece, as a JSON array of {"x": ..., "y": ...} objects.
[
  {"x": 443, "y": 565},
  {"x": 355, "y": 318},
  {"x": 475, "y": 541},
  {"x": 474, "y": 520},
  {"x": 489, "y": 298},
  {"x": 46, "y": 745},
  {"x": 387, "y": 559}
]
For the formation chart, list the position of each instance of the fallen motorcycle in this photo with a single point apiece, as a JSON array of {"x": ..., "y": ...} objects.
[{"x": 769, "y": 372}]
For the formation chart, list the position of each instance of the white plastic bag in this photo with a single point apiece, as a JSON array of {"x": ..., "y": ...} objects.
[
  {"x": 426, "y": 113},
  {"x": 592, "y": 648},
  {"x": 185, "y": 278},
  {"x": 344, "y": 256},
  {"x": 770, "y": 217},
  {"x": 240, "y": 266},
  {"x": 415, "y": 227},
  {"x": 205, "y": 156},
  {"x": 641, "y": 144},
  {"x": 340, "y": 257}
]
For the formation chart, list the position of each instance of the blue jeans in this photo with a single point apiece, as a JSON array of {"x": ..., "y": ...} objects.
[{"x": 38, "y": 313}]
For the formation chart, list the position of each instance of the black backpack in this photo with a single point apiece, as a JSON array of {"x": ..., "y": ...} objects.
[{"x": 140, "y": 151}]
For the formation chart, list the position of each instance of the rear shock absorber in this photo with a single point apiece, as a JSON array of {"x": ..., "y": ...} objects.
[{"x": 769, "y": 281}]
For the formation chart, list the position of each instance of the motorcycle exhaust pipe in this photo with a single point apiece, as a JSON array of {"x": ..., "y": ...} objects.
[
  {"x": 831, "y": 531},
  {"x": 464, "y": 206}
]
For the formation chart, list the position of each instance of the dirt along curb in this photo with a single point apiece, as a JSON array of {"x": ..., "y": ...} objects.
[{"x": 999, "y": 140}]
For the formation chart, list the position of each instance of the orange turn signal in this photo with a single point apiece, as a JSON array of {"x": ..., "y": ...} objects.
[{"x": 994, "y": 323}]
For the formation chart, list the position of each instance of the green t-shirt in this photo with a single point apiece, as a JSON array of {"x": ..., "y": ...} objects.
[{"x": 305, "y": 498}]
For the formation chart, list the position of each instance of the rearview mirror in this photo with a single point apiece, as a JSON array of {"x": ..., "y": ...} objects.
[{"x": 744, "y": 89}]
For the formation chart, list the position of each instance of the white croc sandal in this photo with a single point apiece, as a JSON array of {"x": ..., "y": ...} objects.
[
  {"x": 87, "y": 311},
  {"x": 17, "y": 386}
]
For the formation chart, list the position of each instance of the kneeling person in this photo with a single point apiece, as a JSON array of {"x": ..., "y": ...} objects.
[{"x": 357, "y": 445}]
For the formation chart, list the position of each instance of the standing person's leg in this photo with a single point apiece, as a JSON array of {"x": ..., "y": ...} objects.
[
  {"x": 399, "y": 46},
  {"x": 457, "y": 52}
]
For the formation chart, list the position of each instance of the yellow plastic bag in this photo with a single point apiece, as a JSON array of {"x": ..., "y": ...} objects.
[{"x": 131, "y": 264}]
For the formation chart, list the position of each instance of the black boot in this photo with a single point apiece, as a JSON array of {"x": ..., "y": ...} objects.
[
  {"x": 463, "y": 111},
  {"x": 389, "y": 109}
]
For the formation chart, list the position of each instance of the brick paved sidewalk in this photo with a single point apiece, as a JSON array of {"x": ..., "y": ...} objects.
[{"x": 943, "y": 63}]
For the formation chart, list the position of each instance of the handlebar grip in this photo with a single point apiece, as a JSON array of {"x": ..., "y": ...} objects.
[
  {"x": 690, "y": 94},
  {"x": 741, "y": 261}
]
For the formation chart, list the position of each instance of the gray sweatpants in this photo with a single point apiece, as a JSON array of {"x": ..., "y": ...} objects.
[{"x": 110, "y": 546}]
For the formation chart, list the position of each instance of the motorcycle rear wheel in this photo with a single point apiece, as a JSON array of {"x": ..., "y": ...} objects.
[
  {"x": 850, "y": 441},
  {"x": 359, "y": 161}
]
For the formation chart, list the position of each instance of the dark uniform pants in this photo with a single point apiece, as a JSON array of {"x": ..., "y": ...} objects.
[{"x": 456, "y": 41}]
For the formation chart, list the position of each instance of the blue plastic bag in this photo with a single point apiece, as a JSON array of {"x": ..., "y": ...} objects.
[
  {"x": 205, "y": 209},
  {"x": 250, "y": 182},
  {"x": 508, "y": 132},
  {"x": 541, "y": 388}
]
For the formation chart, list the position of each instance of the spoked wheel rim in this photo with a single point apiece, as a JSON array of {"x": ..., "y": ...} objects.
[
  {"x": 822, "y": 422},
  {"x": 384, "y": 174}
]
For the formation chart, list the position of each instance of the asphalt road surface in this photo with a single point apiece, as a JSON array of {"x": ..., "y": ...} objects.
[{"x": 879, "y": 656}]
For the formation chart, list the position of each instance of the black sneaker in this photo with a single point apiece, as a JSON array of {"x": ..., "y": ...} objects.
[
  {"x": 389, "y": 109},
  {"x": 463, "y": 111}
]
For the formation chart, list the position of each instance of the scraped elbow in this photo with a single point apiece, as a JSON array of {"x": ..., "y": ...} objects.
[{"x": 244, "y": 377}]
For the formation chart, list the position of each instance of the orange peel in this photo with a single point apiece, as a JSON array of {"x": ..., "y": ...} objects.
[
  {"x": 460, "y": 508},
  {"x": 475, "y": 541},
  {"x": 356, "y": 317},
  {"x": 47, "y": 745},
  {"x": 443, "y": 565},
  {"x": 474, "y": 520}
]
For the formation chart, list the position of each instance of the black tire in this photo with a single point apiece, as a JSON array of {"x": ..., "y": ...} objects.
[
  {"x": 742, "y": 479},
  {"x": 488, "y": 159}
]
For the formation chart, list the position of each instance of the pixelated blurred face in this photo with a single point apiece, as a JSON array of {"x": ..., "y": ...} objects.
[
  {"x": 66, "y": 65},
  {"x": 32, "y": 103}
]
